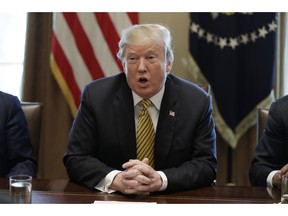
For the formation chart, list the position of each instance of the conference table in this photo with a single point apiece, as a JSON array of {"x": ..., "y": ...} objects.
[{"x": 62, "y": 191}]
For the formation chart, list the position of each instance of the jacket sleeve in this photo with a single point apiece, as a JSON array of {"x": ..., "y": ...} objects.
[{"x": 19, "y": 148}]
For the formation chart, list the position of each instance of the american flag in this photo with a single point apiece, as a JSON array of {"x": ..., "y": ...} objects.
[{"x": 84, "y": 47}]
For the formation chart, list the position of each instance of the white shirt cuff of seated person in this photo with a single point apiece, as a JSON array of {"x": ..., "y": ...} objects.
[
  {"x": 270, "y": 178},
  {"x": 105, "y": 183},
  {"x": 164, "y": 181}
]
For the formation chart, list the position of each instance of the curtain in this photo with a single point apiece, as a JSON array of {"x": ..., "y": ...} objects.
[
  {"x": 39, "y": 85},
  {"x": 281, "y": 54}
]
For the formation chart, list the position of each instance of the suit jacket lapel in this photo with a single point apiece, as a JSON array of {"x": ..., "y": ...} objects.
[
  {"x": 125, "y": 122},
  {"x": 166, "y": 124}
]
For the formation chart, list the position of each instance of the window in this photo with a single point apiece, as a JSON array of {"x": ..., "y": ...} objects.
[{"x": 12, "y": 46}]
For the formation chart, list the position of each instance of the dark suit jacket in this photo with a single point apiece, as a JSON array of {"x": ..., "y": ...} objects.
[
  {"x": 272, "y": 150},
  {"x": 15, "y": 147},
  {"x": 103, "y": 137}
]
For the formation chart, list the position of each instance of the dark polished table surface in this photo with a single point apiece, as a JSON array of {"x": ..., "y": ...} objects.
[{"x": 63, "y": 191}]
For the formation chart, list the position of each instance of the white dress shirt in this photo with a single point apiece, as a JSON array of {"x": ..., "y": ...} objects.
[
  {"x": 270, "y": 177},
  {"x": 153, "y": 111}
]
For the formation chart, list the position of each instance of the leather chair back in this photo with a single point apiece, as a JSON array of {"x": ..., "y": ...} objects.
[{"x": 33, "y": 114}]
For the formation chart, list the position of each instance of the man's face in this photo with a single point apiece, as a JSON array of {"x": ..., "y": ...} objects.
[{"x": 146, "y": 67}]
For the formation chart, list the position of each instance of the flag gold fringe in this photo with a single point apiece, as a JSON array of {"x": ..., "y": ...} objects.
[
  {"x": 63, "y": 85},
  {"x": 225, "y": 131}
]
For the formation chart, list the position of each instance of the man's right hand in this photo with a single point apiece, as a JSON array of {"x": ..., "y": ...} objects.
[
  {"x": 277, "y": 180},
  {"x": 277, "y": 177}
]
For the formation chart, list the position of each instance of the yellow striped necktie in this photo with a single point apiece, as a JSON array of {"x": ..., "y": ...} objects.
[{"x": 145, "y": 134}]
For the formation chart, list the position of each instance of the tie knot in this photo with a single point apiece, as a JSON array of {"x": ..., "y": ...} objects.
[{"x": 146, "y": 103}]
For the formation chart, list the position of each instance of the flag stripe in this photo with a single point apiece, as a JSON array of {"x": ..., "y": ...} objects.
[
  {"x": 99, "y": 44},
  {"x": 83, "y": 45},
  {"x": 65, "y": 67},
  {"x": 70, "y": 50},
  {"x": 133, "y": 17},
  {"x": 109, "y": 33},
  {"x": 120, "y": 21},
  {"x": 84, "y": 48}
]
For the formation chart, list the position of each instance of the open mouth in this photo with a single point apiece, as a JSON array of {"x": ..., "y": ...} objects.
[{"x": 143, "y": 80}]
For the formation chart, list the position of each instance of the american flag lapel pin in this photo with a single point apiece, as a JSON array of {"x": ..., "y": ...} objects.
[{"x": 171, "y": 113}]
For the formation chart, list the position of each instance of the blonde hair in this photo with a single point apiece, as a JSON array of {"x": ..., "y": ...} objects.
[{"x": 145, "y": 33}]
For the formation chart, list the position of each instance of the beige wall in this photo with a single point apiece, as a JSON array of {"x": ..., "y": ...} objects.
[{"x": 179, "y": 26}]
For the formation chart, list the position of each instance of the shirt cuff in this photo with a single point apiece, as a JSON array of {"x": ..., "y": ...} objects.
[
  {"x": 105, "y": 183},
  {"x": 270, "y": 178},
  {"x": 164, "y": 181}
]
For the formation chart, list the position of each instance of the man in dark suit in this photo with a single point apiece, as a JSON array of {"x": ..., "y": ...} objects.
[
  {"x": 101, "y": 152},
  {"x": 270, "y": 159},
  {"x": 15, "y": 147}
]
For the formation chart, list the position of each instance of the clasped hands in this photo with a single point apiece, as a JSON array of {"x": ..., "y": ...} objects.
[{"x": 138, "y": 178}]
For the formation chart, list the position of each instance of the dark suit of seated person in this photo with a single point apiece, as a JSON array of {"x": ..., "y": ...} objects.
[
  {"x": 270, "y": 159},
  {"x": 15, "y": 147},
  {"x": 101, "y": 152}
]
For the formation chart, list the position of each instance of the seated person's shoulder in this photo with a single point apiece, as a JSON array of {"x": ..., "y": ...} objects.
[
  {"x": 9, "y": 105},
  {"x": 8, "y": 99},
  {"x": 280, "y": 106},
  {"x": 283, "y": 101}
]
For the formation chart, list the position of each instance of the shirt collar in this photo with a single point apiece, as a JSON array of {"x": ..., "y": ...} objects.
[{"x": 156, "y": 99}]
